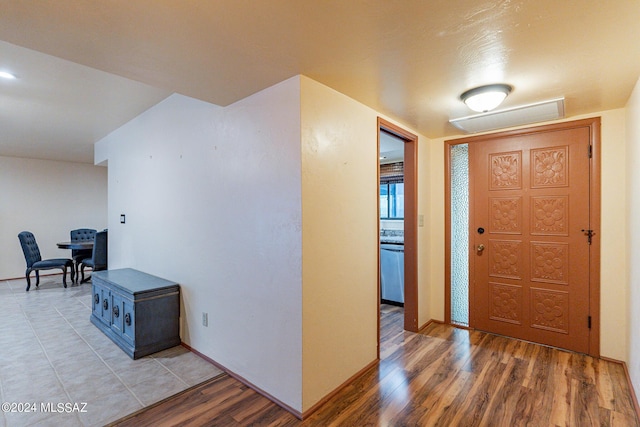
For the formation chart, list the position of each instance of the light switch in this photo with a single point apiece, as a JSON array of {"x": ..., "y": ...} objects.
[
  {"x": 420, "y": 220},
  {"x": 121, "y": 218}
]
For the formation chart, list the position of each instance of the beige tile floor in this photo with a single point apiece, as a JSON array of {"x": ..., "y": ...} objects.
[{"x": 51, "y": 354}]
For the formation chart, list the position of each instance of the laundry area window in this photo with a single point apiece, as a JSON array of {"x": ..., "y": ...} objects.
[{"x": 392, "y": 191}]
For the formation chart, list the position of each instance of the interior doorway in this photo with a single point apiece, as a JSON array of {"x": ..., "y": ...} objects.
[
  {"x": 528, "y": 234},
  {"x": 410, "y": 222}
]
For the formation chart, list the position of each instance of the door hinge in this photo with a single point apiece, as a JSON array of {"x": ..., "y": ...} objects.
[
  {"x": 589, "y": 321},
  {"x": 590, "y": 151}
]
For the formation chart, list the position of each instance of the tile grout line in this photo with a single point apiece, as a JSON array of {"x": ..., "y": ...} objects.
[
  {"x": 101, "y": 358},
  {"x": 69, "y": 305},
  {"x": 2, "y": 396},
  {"x": 26, "y": 319},
  {"x": 118, "y": 376},
  {"x": 153, "y": 358},
  {"x": 168, "y": 369},
  {"x": 4, "y": 418},
  {"x": 111, "y": 369},
  {"x": 46, "y": 354}
]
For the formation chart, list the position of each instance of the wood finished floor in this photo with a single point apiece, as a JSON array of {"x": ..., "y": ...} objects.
[{"x": 442, "y": 376}]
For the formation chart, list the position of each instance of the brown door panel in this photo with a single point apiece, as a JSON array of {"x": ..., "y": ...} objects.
[{"x": 529, "y": 194}]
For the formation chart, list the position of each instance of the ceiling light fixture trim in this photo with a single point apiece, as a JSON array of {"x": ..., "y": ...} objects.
[
  {"x": 551, "y": 109},
  {"x": 486, "y": 98}
]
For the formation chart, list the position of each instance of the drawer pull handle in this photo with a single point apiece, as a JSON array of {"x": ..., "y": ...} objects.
[
  {"x": 105, "y": 304},
  {"x": 116, "y": 311},
  {"x": 96, "y": 299},
  {"x": 127, "y": 319}
]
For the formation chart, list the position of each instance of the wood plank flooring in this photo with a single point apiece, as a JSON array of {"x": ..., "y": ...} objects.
[{"x": 442, "y": 376}]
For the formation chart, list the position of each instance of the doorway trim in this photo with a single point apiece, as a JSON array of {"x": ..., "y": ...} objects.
[
  {"x": 410, "y": 224},
  {"x": 594, "y": 206}
]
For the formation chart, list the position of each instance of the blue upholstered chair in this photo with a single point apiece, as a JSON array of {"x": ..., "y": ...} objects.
[
  {"x": 81, "y": 235},
  {"x": 36, "y": 263},
  {"x": 98, "y": 260}
]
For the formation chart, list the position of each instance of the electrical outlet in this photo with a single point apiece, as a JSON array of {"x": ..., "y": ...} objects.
[{"x": 205, "y": 319}]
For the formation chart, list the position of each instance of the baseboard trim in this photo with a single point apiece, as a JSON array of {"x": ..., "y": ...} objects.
[
  {"x": 33, "y": 277},
  {"x": 244, "y": 381},
  {"x": 351, "y": 379},
  {"x": 300, "y": 415},
  {"x": 429, "y": 323},
  {"x": 634, "y": 398}
]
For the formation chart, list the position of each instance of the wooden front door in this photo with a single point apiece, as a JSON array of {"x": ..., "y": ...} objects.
[{"x": 529, "y": 238}]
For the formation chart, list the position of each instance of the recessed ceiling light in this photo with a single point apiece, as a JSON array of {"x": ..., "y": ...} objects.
[
  {"x": 485, "y": 98},
  {"x": 6, "y": 75}
]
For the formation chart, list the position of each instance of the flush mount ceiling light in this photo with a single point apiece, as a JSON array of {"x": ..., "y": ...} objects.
[
  {"x": 485, "y": 98},
  {"x": 6, "y": 75}
]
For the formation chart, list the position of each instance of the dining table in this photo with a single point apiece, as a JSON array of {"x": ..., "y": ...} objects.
[
  {"x": 76, "y": 245},
  {"x": 80, "y": 245}
]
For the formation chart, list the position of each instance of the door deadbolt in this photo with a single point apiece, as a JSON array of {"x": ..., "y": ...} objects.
[{"x": 480, "y": 247}]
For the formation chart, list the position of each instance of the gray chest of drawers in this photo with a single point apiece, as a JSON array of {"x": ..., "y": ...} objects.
[{"x": 138, "y": 311}]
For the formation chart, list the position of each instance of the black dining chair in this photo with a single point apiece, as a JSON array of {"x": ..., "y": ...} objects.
[
  {"x": 36, "y": 263},
  {"x": 99, "y": 258},
  {"x": 81, "y": 235}
]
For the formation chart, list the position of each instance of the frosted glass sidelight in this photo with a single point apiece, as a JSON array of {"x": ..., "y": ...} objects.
[{"x": 460, "y": 234}]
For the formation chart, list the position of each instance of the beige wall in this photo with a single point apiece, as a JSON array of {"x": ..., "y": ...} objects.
[
  {"x": 427, "y": 233},
  {"x": 340, "y": 238},
  {"x": 48, "y": 198},
  {"x": 632, "y": 122},
  {"x": 436, "y": 223},
  {"x": 614, "y": 284}
]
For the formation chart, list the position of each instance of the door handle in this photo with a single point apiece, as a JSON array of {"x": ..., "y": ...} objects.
[{"x": 480, "y": 247}]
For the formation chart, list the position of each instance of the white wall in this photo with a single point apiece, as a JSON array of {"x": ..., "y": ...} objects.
[
  {"x": 240, "y": 206},
  {"x": 212, "y": 199},
  {"x": 633, "y": 224},
  {"x": 614, "y": 287},
  {"x": 48, "y": 198}
]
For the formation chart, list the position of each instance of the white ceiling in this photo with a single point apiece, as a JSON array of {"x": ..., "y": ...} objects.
[
  {"x": 391, "y": 148},
  {"x": 94, "y": 65},
  {"x": 57, "y": 109}
]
